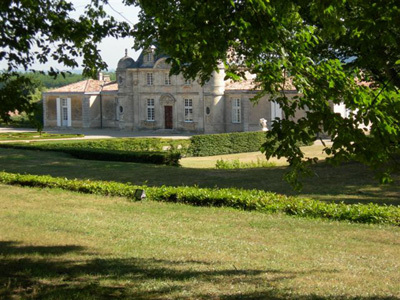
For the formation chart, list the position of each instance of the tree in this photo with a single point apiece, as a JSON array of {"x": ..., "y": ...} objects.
[
  {"x": 16, "y": 95},
  {"x": 22, "y": 94},
  {"x": 34, "y": 31},
  {"x": 340, "y": 51}
]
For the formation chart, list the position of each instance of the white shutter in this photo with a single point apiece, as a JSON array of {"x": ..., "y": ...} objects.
[
  {"x": 58, "y": 107},
  {"x": 276, "y": 111},
  {"x": 69, "y": 112}
]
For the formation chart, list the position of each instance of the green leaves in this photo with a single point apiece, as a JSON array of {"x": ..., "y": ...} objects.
[
  {"x": 16, "y": 93},
  {"x": 236, "y": 198},
  {"x": 316, "y": 47},
  {"x": 226, "y": 143},
  {"x": 126, "y": 150},
  {"x": 49, "y": 26},
  {"x": 37, "y": 31}
]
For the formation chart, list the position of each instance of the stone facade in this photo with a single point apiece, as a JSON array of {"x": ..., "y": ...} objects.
[{"x": 145, "y": 97}]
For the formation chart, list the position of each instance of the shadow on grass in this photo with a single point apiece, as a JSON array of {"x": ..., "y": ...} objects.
[
  {"x": 274, "y": 296},
  {"x": 351, "y": 182},
  {"x": 42, "y": 272}
]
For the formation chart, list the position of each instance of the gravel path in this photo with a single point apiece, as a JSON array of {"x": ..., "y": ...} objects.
[{"x": 98, "y": 134}]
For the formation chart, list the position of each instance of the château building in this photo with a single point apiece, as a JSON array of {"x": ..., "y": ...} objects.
[{"x": 145, "y": 97}]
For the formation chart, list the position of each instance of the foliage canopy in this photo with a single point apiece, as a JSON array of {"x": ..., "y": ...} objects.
[
  {"x": 341, "y": 51},
  {"x": 35, "y": 31}
]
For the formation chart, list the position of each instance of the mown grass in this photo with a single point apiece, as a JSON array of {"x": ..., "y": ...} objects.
[
  {"x": 62, "y": 245},
  {"x": 351, "y": 183},
  {"x": 250, "y": 200},
  {"x": 15, "y": 136},
  {"x": 209, "y": 162}
]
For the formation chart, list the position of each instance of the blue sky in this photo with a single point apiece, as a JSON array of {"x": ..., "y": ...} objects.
[{"x": 111, "y": 49}]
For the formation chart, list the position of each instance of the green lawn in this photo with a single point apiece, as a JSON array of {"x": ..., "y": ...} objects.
[
  {"x": 210, "y": 161},
  {"x": 351, "y": 182},
  {"x": 62, "y": 245},
  {"x": 15, "y": 136}
]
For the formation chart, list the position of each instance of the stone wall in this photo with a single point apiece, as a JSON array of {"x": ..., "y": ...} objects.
[{"x": 50, "y": 109}]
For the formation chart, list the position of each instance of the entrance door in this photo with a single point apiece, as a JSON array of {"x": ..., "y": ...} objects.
[
  {"x": 64, "y": 112},
  {"x": 168, "y": 117}
]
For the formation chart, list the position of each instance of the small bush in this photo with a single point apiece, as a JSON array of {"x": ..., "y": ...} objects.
[
  {"x": 237, "y": 164},
  {"x": 226, "y": 143},
  {"x": 237, "y": 198}
]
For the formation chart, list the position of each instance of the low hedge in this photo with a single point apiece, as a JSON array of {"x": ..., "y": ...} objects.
[
  {"x": 123, "y": 144},
  {"x": 167, "y": 158},
  {"x": 198, "y": 145},
  {"x": 226, "y": 143},
  {"x": 237, "y": 198},
  {"x": 160, "y": 158}
]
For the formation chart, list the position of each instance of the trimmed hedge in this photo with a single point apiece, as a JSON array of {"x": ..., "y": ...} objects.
[
  {"x": 123, "y": 144},
  {"x": 237, "y": 198},
  {"x": 226, "y": 143},
  {"x": 198, "y": 145},
  {"x": 167, "y": 158},
  {"x": 160, "y": 158}
]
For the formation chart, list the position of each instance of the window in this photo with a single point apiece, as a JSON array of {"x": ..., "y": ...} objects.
[
  {"x": 64, "y": 105},
  {"x": 149, "y": 78},
  {"x": 236, "y": 111},
  {"x": 188, "y": 81},
  {"x": 150, "y": 109},
  {"x": 148, "y": 57},
  {"x": 167, "y": 79},
  {"x": 188, "y": 110},
  {"x": 64, "y": 102}
]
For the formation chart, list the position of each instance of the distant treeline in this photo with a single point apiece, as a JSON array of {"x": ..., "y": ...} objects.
[{"x": 50, "y": 82}]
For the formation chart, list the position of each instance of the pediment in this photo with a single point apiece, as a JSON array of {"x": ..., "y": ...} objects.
[{"x": 167, "y": 99}]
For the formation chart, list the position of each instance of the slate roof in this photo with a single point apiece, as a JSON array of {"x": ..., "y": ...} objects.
[
  {"x": 140, "y": 62},
  {"x": 87, "y": 86},
  {"x": 127, "y": 62}
]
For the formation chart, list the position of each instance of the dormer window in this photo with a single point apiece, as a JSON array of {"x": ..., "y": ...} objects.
[
  {"x": 167, "y": 79},
  {"x": 148, "y": 57}
]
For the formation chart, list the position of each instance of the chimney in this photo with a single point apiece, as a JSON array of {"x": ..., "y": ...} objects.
[{"x": 101, "y": 76}]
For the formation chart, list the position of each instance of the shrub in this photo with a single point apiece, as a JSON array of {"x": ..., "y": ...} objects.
[
  {"x": 237, "y": 198},
  {"x": 237, "y": 164},
  {"x": 226, "y": 143},
  {"x": 123, "y": 144},
  {"x": 160, "y": 158},
  {"x": 167, "y": 158}
]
